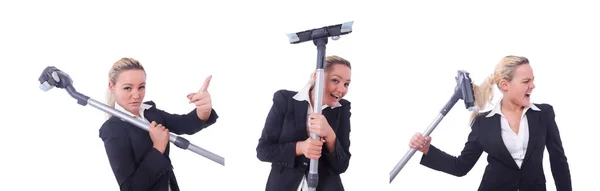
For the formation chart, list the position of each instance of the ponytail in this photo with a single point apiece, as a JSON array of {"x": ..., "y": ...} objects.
[
  {"x": 312, "y": 80},
  {"x": 484, "y": 94},
  {"x": 504, "y": 71},
  {"x": 110, "y": 101}
]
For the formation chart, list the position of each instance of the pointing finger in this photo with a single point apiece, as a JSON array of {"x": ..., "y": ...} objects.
[{"x": 206, "y": 83}]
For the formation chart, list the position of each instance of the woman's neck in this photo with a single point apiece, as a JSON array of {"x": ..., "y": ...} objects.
[{"x": 508, "y": 106}]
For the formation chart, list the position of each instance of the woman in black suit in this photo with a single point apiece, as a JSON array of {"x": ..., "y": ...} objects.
[
  {"x": 513, "y": 134},
  {"x": 140, "y": 159},
  {"x": 285, "y": 141}
]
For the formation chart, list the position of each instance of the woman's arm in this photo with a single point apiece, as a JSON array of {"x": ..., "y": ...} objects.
[
  {"x": 338, "y": 150},
  {"x": 558, "y": 160},
  {"x": 189, "y": 123},
  {"x": 119, "y": 151},
  {"x": 457, "y": 166},
  {"x": 269, "y": 149}
]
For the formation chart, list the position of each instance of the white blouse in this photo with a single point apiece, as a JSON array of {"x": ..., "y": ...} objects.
[{"x": 516, "y": 143}]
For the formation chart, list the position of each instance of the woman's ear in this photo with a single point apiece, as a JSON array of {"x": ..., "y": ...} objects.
[
  {"x": 503, "y": 85},
  {"x": 111, "y": 86},
  {"x": 314, "y": 76}
]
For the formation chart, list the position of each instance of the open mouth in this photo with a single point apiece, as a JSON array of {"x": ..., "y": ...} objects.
[
  {"x": 335, "y": 97},
  {"x": 528, "y": 95}
]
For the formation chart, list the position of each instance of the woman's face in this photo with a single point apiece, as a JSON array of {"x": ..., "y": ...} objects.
[
  {"x": 518, "y": 90},
  {"x": 129, "y": 89},
  {"x": 337, "y": 81}
]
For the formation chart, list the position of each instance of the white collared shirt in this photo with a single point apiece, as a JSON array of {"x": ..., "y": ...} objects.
[
  {"x": 516, "y": 143},
  {"x": 143, "y": 107},
  {"x": 303, "y": 95}
]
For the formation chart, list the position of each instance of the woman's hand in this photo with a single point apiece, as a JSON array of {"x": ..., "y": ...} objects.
[
  {"x": 318, "y": 125},
  {"x": 159, "y": 135},
  {"x": 420, "y": 143},
  {"x": 310, "y": 148},
  {"x": 202, "y": 100}
]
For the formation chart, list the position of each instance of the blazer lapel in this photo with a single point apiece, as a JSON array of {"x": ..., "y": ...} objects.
[
  {"x": 533, "y": 120},
  {"x": 332, "y": 116},
  {"x": 499, "y": 149},
  {"x": 301, "y": 117}
]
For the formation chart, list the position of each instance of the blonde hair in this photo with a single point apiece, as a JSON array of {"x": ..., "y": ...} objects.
[
  {"x": 330, "y": 61},
  {"x": 504, "y": 70},
  {"x": 121, "y": 65}
]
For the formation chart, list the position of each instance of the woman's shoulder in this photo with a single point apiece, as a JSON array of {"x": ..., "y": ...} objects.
[
  {"x": 546, "y": 110},
  {"x": 481, "y": 115},
  {"x": 544, "y": 106},
  {"x": 112, "y": 127},
  {"x": 149, "y": 104},
  {"x": 345, "y": 102},
  {"x": 283, "y": 95}
]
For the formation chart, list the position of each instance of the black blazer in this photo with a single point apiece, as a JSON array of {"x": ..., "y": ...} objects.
[
  {"x": 502, "y": 173},
  {"x": 136, "y": 164},
  {"x": 286, "y": 125}
]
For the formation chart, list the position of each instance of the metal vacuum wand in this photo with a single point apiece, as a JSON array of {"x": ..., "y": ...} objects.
[
  {"x": 464, "y": 91},
  {"x": 320, "y": 38},
  {"x": 53, "y": 77}
]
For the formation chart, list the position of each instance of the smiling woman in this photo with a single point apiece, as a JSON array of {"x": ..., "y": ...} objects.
[
  {"x": 514, "y": 134},
  {"x": 285, "y": 141},
  {"x": 140, "y": 159}
]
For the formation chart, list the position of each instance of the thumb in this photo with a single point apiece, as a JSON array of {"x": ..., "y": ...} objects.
[
  {"x": 206, "y": 84},
  {"x": 189, "y": 96}
]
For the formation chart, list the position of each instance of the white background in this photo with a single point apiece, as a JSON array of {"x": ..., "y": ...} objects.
[{"x": 404, "y": 57}]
